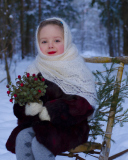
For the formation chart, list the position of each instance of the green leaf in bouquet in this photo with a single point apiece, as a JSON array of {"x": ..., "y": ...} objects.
[
  {"x": 12, "y": 94},
  {"x": 36, "y": 88},
  {"x": 21, "y": 93},
  {"x": 24, "y": 99},
  {"x": 21, "y": 100},
  {"x": 26, "y": 84},
  {"x": 15, "y": 101},
  {"x": 44, "y": 90},
  {"x": 34, "y": 85},
  {"x": 28, "y": 92},
  {"x": 30, "y": 96},
  {"x": 42, "y": 83},
  {"x": 27, "y": 98},
  {"x": 23, "y": 77},
  {"x": 34, "y": 92},
  {"x": 42, "y": 94},
  {"x": 14, "y": 87},
  {"x": 32, "y": 89},
  {"x": 45, "y": 86},
  {"x": 24, "y": 93}
]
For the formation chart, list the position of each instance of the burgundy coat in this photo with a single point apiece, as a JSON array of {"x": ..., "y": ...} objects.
[{"x": 68, "y": 126}]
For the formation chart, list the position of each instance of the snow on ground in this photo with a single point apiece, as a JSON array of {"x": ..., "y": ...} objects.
[{"x": 8, "y": 121}]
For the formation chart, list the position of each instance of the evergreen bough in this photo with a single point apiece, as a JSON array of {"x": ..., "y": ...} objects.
[{"x": 105, "y": 85}]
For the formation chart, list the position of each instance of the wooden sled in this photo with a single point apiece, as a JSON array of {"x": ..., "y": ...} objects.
[{"x": 96, "y": 148}]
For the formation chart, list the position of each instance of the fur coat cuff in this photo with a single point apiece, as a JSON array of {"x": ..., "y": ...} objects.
[
  {"x": 43, "y": 115},
  {"x": 33, "y": 108}
]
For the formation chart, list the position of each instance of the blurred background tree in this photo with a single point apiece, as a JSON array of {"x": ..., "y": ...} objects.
[
  {"x": 124, "y": 17},
  {"x": 7, "y": 33},
  {"x": 89, "y": 33},
  {"x": 114, "y": 16},
  {"x": 19, "y": 20}
]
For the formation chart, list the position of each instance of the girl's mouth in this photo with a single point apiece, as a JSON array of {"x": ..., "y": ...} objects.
[{"x": 52, "y": 52}]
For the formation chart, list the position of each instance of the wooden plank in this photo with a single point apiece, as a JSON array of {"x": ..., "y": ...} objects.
[
  {"x": 86, "y": 147},
  {"x": 106, "y": 59}
]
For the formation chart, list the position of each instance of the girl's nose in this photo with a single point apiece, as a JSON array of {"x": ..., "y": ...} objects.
[{"x": 50, "y": 45}]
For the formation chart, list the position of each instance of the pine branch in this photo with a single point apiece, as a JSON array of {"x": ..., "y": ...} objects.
[{"x": 105, "y": 85}]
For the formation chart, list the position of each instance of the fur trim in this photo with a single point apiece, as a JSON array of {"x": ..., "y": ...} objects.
[
  {"x": 33, "y": 108},
  {"x": 44, "y": 114}
]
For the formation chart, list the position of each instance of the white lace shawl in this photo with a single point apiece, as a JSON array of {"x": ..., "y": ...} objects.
[{"x": 67, "y": 70}]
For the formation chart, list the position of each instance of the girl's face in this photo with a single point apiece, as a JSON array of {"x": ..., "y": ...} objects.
[{"x": 51, "y": 40}]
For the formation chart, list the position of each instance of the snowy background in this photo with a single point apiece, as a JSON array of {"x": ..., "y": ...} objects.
[
  {"x": 89, "y": 35},
  {"x": 8, "y": 121}
]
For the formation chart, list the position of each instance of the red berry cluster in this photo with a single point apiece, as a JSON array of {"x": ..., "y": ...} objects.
[{"x": 20, "y": 83}]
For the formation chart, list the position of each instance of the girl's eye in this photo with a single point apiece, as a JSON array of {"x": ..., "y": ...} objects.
[
  {"x": 44, "y": 41},
  {"x": 57, "y": 40}
]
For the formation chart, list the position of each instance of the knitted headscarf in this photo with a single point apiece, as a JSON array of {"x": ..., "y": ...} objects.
[{"x": 67, "y": 70}]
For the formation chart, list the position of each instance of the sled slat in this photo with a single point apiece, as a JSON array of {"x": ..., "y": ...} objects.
[
  {"x": 106, "y": 59},
  {"x": 86, "y": 147}
]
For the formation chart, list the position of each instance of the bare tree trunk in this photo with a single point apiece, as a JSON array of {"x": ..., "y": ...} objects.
[
  {"x": 22, "y": 29},
  {"x": 110, "y": 31},
  {"x": 33, "y": 43},
  {"x": 125, "y": 26},
  {"x": 9, "y": 33},
  {"x": 7, "y": 68},
  {"x": 119, "y": 39},
  {"x": 40, "y": 11},
  {"x": 5, "y": 40},
  {"x": 114, "y": 34}
]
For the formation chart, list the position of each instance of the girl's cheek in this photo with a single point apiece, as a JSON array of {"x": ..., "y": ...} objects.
[
  {"x": 61, "y": 49},
  {"x": 41, "y": 49}
]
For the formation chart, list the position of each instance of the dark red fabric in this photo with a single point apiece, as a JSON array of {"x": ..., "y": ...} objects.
[{"x": 68, "y": 126}]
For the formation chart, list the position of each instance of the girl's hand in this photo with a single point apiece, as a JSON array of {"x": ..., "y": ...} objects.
[
  {"x": 33, "y": 108},
  {"x": 43, "y": 115}
]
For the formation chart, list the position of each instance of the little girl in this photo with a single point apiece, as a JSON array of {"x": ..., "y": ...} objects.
[{"x": 59, "y": 123}]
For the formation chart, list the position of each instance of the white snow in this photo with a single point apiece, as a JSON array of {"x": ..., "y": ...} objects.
[
  {"x": 8, "y": 120},
  {"x": 11, "y": 16}
]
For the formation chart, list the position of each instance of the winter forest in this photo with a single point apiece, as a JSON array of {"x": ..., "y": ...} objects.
[
  {"x": 97, "y": 25},
  {"x": 99, "y": 29}
]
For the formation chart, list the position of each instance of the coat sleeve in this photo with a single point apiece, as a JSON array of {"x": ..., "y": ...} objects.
[{"x": 69, "y": 111}]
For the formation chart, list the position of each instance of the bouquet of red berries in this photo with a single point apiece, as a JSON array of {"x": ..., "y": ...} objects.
[{"x": 27, "y": 89}]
